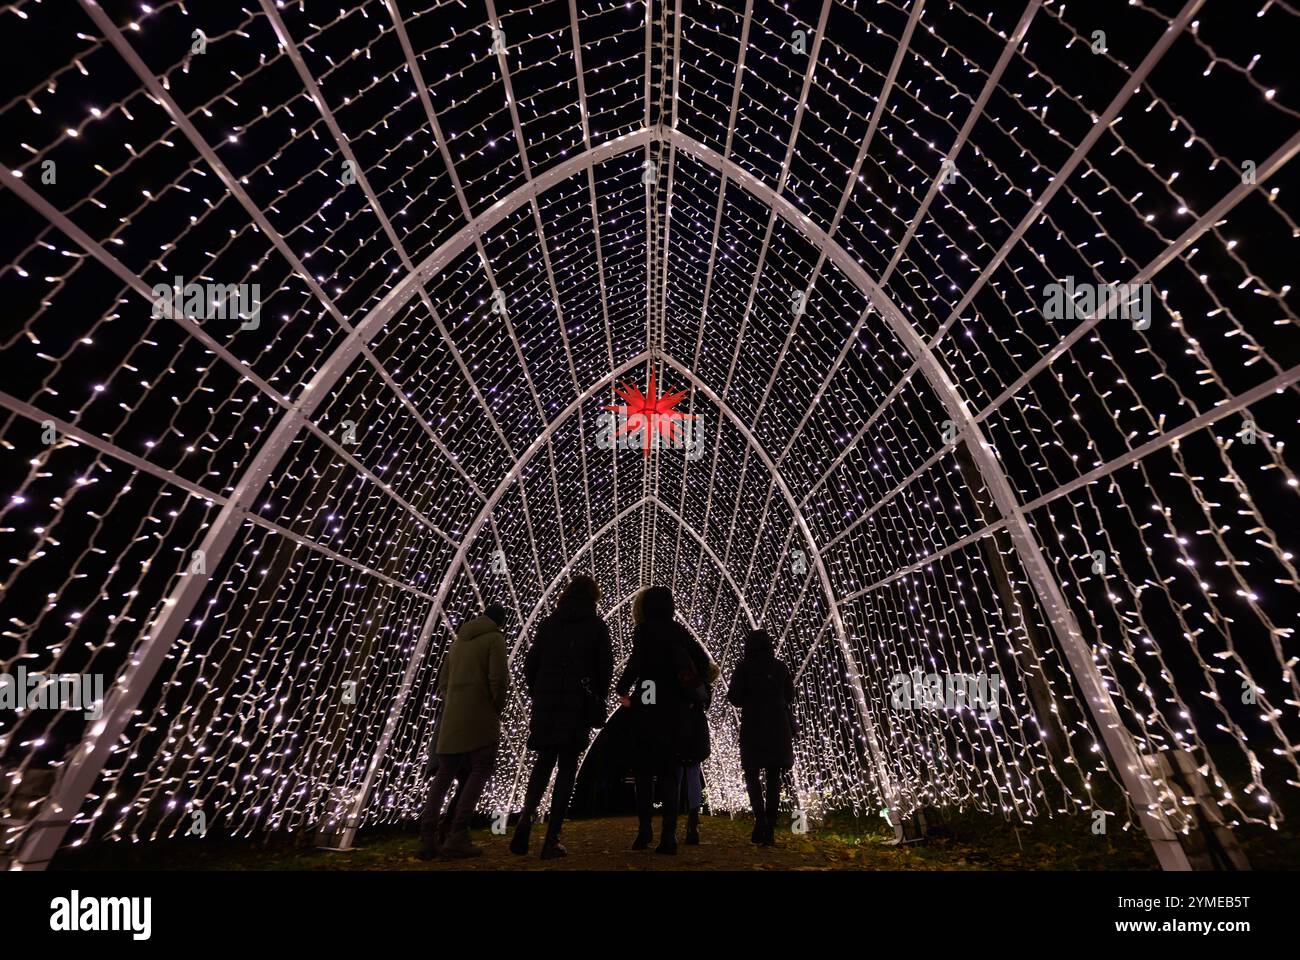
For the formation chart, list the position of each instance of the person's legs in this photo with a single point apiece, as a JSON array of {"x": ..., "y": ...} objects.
[
  {"x": 754, "y": 787},
  {"x": 449, "y": 815},
  {"x": 433, "y": 805},
  {"x": 670, "y": 785},
  {"x": 772, "y": 811},
  {"x": 537, "y": 781},
  {"x": 560, "y": 796},
  {"x": 481, "y": 762},
  {"x": 694, "y": 786},
  {"x": 694, "y": 798},
  {"x": 565, "y": 776},
  {"x": 645, "y": 804}
]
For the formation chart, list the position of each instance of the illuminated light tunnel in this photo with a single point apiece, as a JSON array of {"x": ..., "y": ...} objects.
[{"x": 981, "y": 320}]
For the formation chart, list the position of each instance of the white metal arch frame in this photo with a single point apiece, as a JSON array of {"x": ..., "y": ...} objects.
[
  {"x": 886, "y": 785},
  {"x": 1142, "y": 789},
  {"x": 88, "y": 759},
  {"x": 45, "y": 832}
]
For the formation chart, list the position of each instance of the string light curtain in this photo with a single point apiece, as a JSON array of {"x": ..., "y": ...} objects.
[{"x": 834, "y": 224}]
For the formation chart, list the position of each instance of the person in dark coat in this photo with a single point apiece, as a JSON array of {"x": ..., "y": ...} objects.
[
  {"x": 763, "y": 691},
  {"x": 664, "y": 682},
  {"x": 473, "y": 681},
  {"x": 567, "y": 672},
  {"x": 699, "y": 746}
]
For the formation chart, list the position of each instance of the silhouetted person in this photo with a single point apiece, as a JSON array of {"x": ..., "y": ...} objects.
[
  {"x": 473, "y": 680},
  {"x": 567, "y": 670},
  {"x": 698, "y": 744},
  {"x": 665, "y": 678},
  {"x": 761, "y": 687}
]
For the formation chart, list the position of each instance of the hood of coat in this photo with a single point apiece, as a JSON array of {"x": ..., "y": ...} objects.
[{"x": 480, "y": 626}]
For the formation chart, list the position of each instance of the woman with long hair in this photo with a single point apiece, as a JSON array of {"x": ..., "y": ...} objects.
[
  {"x": 698, "y": 745},
  {"x": 665, "y": 680},
  {"x": 763, "y": 691},
  {"x": 567, "y": 672}
]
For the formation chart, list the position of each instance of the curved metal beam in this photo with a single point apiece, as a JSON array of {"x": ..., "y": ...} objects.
[
  {"x": 841, "y": 635},
  {"x": 685, "y": 525},
  {"x": 591, "y": 541},
  {"x": 573, "y": 407},
  {"x": 352, "y": 821},
  {"x": 1130, "y": 766},
  {"x": 45, "y": 832},
  {"x": 47, "y": 829}
]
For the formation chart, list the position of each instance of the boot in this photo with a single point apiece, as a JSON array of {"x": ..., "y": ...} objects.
[
  {"x": 693, "y": 829},
  {"x": 668, "y": 837},
  {"x": 551, "y": 846},
  {"x": 772, "y": 818},
  {"x": 459, "y": 847},
  {"x": 519, "y": 844},
  {"x": 643, "y": 835},
  {"x": 444, "y": 830}
]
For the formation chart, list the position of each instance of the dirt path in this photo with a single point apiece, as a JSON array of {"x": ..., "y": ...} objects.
[{"x": 604, "y": 845}]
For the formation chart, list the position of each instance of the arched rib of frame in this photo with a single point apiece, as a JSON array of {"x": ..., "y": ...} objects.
[
  {"x": 572, "y": 562},
  {"x": 352, "y": 819},
  {"x": 45, "y": 832},
  {"x": 1144, "y": 792}
]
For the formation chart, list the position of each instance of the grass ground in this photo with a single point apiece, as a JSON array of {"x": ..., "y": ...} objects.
[{"x": 842, "y": 843}]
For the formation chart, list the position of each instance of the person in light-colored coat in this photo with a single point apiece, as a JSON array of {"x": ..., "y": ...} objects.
[{"x": 473, "y": 682}]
